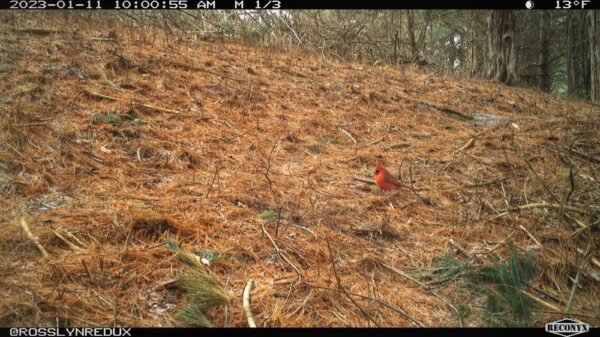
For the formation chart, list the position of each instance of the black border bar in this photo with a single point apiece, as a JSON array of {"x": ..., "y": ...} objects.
[
  {"x": 278, "y": 332},
  {"x": 299, "y": 4}
]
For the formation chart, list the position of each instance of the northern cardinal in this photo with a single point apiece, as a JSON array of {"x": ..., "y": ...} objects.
[{"x": 385, "y": 180}]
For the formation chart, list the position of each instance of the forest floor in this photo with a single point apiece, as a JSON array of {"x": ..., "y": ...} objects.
[{"x": 114, "y": 139}]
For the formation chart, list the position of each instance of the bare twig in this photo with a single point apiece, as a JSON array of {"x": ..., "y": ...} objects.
[
  {"x": 463, "y": 250},
  {"x": 71, "y": 245},
  {"x": 342, "y": 290},
  {"x": 576, "y": 281},
  {"x": 531, "y": 236},
  {"x": 281, "y": 254},
  {"x": 33, "y": 238},
  {"x": 213, "y": 180},
  {"x": 349, "y": 135}
]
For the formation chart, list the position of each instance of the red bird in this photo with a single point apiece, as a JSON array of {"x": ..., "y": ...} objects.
[{"x": 385, "y": 180}]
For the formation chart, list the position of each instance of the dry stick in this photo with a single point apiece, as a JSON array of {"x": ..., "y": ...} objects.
[
  {"x": 246, "y": 303},
  {"x": 364, "y": 180},
  {"x": 87, "y": 271},
  {"x": 152, "y": 107},
  {"x": 339, "y": 284},
  {"x": 213, "y": 180},
  {"x": 281, "y": 254},
  {"x": 467, "y": 145},
  {"x": 375, "y": 141},
  {"x": 531, "y": 236},
  {"x": 68, "y": 243},
  {"x": 463, "y": 250},
  {"x": 576, "y": 282},
  {"x": 73, "y": 237},
  {"x": 594, "y": 260},
  {"x": 405, "y": 275},
  {"x": 540, "y": 301},
  {"x": 269, "y": 164},
  {"x": 116, "y": 304},
  {"x": 95, "y": 94},
  {"x": 349, "y": 135},
  {"x": 583, "y": 227},
  {"x": 277, "y": 224},
  {"x": 32, "y": 237}
]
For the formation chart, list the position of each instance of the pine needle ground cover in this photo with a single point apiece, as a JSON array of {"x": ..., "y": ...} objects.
[{"x": 254, "y": 159}]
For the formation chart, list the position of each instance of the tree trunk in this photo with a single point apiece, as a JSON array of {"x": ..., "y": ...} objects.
[
  {"x": 502, "y": 48},
  {"x": 544, "y": 80},
  {"x": 578, "y": 55},
  {"x": 594, "y": 35},
  {"x": 411, "y": 32}
]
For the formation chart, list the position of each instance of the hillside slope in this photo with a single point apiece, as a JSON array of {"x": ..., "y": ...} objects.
[{"x": 119, "y": 141}]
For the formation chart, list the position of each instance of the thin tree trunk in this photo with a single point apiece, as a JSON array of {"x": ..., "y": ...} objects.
[
  {"x": 544, "y": 80},
  {"x": 594, "y": 35},
  {"x": 502, "y": 48},
  {"x": 411, "y": 32}
]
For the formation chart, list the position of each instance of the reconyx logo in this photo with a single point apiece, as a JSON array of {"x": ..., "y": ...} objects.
[{"x": 567, "y": 327}]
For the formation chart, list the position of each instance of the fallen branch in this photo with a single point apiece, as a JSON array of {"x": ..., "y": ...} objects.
[
  {"x": 246, "y": 303},
  {"x": 33, "y": 238},
  {"x": 152, "y": 107},
  {"x": 540, "y": 301}
]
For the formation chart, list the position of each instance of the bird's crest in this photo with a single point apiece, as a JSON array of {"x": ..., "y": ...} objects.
[{"x": 378, "y": 168}]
